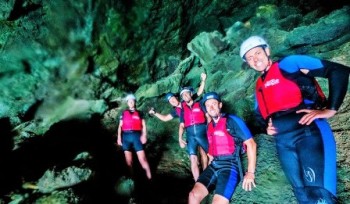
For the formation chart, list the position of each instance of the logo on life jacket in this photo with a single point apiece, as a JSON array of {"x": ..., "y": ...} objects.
[
  {"x": 135, "y": 117},
  {"x": 271, "y": 82},
  {"x": 219, "y": 133}
]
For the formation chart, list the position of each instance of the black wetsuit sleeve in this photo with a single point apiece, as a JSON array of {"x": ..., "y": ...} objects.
[
  {"x": 338, "y": 80},
  {"x": 173, "y": 113},
  {"x": 236, "y": 131}
]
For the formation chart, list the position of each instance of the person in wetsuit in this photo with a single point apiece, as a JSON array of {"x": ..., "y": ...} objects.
[
  {"x": 294, "y": 110},
  {"x": 193, "y": 121},
  {"x": 132, "y": 135},
  {"x": 226, "y": 134}
]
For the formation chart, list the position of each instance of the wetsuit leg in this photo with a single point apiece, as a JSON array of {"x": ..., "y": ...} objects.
[
  {"x": 127, "y": 139},
  {"x": 201, "y": 136},
  {"x": 191, "y": 138},
  {"x": 208, "y": 178},
  {"x": 330, "y": 153},
  {"x": 301, "y": 152},
  {"x": 228, "y": 178}
]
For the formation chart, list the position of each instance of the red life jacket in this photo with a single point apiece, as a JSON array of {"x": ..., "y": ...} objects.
[
  {"x": 220, "y": 140},
  {"x": 131, "y": 121},
  {"x": 276, "y": 93},
  {"x": 194, "y": 115}
]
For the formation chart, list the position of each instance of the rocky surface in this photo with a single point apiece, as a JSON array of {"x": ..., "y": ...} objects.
[{"x": 66, "y": 65}]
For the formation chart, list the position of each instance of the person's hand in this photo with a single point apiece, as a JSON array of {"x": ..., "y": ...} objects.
[
  {"x": 182, "y": 143},
  {"x": 248, "y": 181},
  {"x": 119, "y": 142},
  {"x": 271, "y": 130},
  {"x": 311, "y": 115},
  {"x": 151, "y": 111},
  {"x": 203, "y": 76},
  {"x": 143, "y": 138}
]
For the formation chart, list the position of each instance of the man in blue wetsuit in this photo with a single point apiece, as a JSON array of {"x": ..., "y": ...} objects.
[
  {"x": 295, "y": 111},
  {"x": 193, "y": 121},
  {"x": 226, "y": 133}
]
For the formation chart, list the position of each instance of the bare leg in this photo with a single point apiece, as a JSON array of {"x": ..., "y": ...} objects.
[
  {"x": 197, "y": 194},
  {"x": 204, "y": 158},
  {"x": 219, "y": 199},
  {"x": 194, "y": 166},
  {"x": 128, "y": 160},
  {"x": 144, "y": 163}
]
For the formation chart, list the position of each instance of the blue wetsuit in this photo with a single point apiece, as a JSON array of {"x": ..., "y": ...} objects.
[
  {"x": 223, "y": 174},
  {"x": 195, "y": 134},
  {"x": 307, "y": 153}
]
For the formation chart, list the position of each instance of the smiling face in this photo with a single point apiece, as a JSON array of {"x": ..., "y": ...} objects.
[
  {"x": 131, "y": 104},
  {"x": 173, "y": 101},
  {"x": 186, "y": 96},
  {"x": 258, "y": 58},
  {"x": 213, "y": 107}
]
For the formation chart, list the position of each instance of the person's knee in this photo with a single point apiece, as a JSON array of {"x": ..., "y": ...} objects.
[
  {"x": 220, "y": 199},
  {"x": 195, "y": 195}
]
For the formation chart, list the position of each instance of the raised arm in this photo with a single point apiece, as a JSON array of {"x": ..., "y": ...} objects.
[{"x": 202, "y": 85}]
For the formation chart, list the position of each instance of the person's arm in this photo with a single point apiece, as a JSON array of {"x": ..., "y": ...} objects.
[
  {"x": 119, "y": 136},
  {"x": 161, "y": 117},
  {"x": 239, "y": 129},
  {"x": 338, "y": 79},
  {"x": 143, "y": 137},
  {"x": 164, "y": 118},
  {"x": 202, "y": 85},
  {"x": 182, "y": 142},
  {"x": 248, "y": 181}
]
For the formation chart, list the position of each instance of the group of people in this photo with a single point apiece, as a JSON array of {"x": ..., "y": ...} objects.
[{"x": 292, "y": 108}]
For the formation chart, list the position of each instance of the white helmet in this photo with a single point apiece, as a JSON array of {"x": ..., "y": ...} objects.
[
  {"x": 130, "y": 96},
  {"x": 250, "y": 43}
]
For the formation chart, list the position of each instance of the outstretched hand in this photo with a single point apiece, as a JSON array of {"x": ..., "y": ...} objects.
[
  {"x": 151, "y": 111},
  {"x": 248, "y": 182},
  {"x": 311, "y": 115}
]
